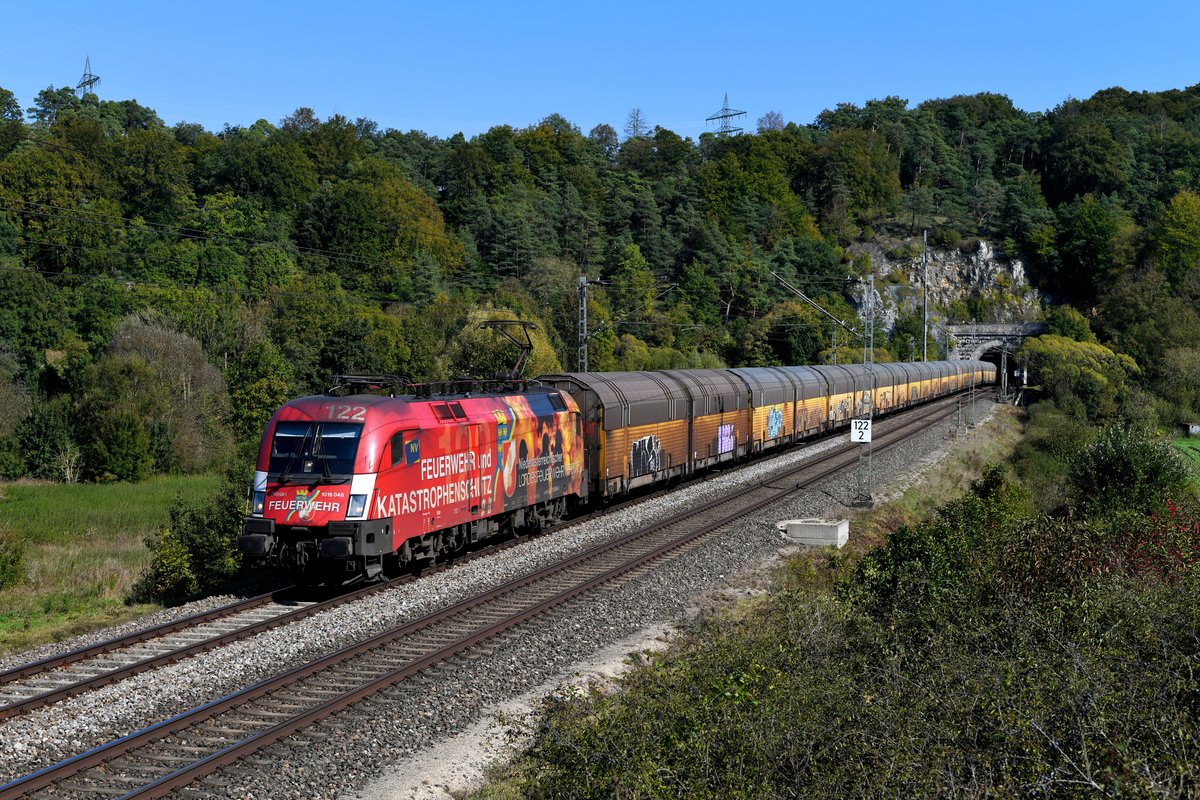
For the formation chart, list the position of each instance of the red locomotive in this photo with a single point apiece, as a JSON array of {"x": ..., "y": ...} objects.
[{"x": 351, "y": 484}]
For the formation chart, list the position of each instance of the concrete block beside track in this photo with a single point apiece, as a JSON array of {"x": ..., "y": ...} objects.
[{"x": 816, "y": 532}]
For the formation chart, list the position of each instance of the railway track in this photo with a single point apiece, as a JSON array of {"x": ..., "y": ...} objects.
[
  {"x": 36, "y": 684},
  {"x": 179, "y": 751},
  {"x": 48, "y": 680}
]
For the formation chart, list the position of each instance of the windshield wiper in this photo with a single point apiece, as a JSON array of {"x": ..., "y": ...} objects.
[
  {"x": 287, "y": 470},
  {"x": 319, "y": 454}
]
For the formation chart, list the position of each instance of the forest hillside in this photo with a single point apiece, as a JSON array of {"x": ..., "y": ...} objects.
[{"x": 164, "y": 288}]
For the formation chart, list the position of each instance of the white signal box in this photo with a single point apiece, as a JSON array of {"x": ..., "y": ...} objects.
[{"x": 860, "y": 431}]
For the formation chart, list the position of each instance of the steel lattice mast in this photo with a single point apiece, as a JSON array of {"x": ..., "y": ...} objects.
[
  {"x": 89, "y": 80},
  {"x": 724, "y": 126}
]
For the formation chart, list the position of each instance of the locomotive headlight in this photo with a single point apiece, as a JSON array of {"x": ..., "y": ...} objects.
[
  {"x": 358, "y": 505},
  {"x": 257, "y": 502}
]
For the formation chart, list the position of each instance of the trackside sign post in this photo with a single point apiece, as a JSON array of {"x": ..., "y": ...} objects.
[{"x": 860, "y": 431}]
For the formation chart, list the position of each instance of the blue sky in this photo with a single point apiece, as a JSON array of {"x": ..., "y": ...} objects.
[{"x": 447, "y": 67}]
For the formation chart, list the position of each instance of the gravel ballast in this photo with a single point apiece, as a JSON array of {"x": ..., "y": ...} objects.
[{"x": 343, "y": 758}]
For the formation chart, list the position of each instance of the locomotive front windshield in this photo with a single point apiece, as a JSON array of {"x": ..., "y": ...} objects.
[{"x": 314, "y": 449}]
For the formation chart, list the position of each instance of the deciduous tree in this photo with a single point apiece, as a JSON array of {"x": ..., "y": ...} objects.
[
  {"x": 1084, "y": 379},
  {"x": 771, "y": 121}
]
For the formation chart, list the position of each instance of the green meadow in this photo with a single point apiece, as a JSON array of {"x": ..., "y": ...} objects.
[
  {"x": 82, "y": 548},
  {"x": 1191, "y": 450}
]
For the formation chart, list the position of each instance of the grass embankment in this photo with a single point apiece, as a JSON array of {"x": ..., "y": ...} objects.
[
  {"x": 997, "y": 646},
  {"x": 84, "y": 548},
  {"x": 966, "y": 459}
]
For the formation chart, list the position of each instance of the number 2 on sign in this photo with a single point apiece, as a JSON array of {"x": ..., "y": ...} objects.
[{"x": 860, "y": 430}]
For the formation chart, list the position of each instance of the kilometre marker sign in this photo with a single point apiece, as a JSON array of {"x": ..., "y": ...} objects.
[{"x": 860, "y": 430}]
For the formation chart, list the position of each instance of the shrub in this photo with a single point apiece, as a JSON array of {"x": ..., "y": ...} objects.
[
  {"x": 121, "y": 449},
  {"x": 1127, "y": 469},
  {"x": 1070, "y": 324},
  {"x": 170, "y": 572},
  {"x": 1042, "y": 457},
  {"x": 12, "y": 466},
  {"x": 1049, "y": 556},
  {"x": 1085, "y": 379},
  {"x": 1043, "y": 664},
  {"x": 43, "y": 435},
  {"x": 922, "y": 562},
  {"x": 1167, "y": 545},
  {"x": 198, "y": 549},
  {"x": 946, "y": 238},
  {"x": 208, "y": 532}
]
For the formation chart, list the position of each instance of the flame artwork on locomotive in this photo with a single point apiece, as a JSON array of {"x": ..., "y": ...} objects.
[{"x": 344, "y": 484}]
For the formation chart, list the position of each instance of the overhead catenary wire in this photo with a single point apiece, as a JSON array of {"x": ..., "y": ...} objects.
[{"x": 814, "y": 304}]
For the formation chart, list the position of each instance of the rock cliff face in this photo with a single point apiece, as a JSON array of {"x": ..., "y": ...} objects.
[{"x": 990, "y": 286}]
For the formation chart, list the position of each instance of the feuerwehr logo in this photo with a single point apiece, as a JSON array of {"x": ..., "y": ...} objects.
[{"x": 302, "y": 504}]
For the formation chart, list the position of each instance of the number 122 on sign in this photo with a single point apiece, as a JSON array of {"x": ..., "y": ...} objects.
[{"x": 860, "y": 430}]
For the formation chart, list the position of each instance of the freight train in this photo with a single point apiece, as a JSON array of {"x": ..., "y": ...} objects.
[{"x": 375, "y": 477}]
